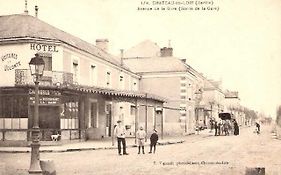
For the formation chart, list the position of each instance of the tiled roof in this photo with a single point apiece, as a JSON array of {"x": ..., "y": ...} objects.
[
  {"x": 25, "y": 26},
  {"x": 156, "y": 64}
]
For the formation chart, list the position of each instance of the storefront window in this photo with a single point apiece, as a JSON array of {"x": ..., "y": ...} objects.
[
  {"x": 69, "y": 115},
  {"x": 13, "y": 112}
]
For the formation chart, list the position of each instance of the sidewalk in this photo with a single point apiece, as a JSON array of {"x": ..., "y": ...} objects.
[
  {"x": 105, "y": 144},
  {"x": 87, "y": 145}
]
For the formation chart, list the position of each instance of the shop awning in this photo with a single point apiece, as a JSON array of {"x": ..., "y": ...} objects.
[
  {"x": 116, "y": 92},
  {"x": 102, "y": 91}
]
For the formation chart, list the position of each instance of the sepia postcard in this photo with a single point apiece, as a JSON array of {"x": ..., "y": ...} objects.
[{"x": 140, "y": 87}]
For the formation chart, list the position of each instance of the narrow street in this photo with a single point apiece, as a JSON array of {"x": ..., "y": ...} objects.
[{"x": 197, "y": 155}]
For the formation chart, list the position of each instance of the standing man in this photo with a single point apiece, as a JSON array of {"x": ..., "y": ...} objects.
[
  {"x": 258, "y": 128},
  {"x": 141, "y": 135},
  {"x": 153, "y": 141},
  {"x": 236, "y": 128},
  {"x": 216, "y": 128},
  {"x": 119, "y": 132},
  {"x": 219, "y": 128}
]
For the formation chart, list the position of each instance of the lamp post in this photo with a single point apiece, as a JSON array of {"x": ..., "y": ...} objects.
[{"x": 36, "y": 65}]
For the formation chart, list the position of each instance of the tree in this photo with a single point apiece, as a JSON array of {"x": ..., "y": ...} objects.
[
  {"x": 278, "y": 115},
  {"x": 250, "y": 114}
]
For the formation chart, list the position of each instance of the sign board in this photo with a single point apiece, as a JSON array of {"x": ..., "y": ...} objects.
[{"x": 10, "y": 61}]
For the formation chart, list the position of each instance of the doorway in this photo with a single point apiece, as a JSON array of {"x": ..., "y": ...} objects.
[
  {"x": 49, "y": 121},
  {"x": 108, "y": 123},
  {"x": 94, "y": 114}
]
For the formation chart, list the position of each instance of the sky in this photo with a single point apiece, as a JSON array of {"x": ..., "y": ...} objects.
[{"x": 240, "y": 43}]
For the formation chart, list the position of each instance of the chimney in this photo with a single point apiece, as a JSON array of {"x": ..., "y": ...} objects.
[
  {"x": 166, "y": 52},
  {"x": 36, "y": 11},
  {"x": 102, "y": 44},
  {"x": 183, "y": 60},
  {"x": 25, "y": 8}
]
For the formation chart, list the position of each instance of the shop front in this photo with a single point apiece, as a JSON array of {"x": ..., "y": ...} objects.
[{"x": 72, "y": 111}]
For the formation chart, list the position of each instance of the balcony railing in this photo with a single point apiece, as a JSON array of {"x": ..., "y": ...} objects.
[{"x": 50, "y": 78}]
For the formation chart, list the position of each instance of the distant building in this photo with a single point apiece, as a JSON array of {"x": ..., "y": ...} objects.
[
  {"x": 215, "y": 98},
  {"x": 232, "y": 102},
  {"x": 171, "y": 78},
  {"x": 209, "y": 100}
]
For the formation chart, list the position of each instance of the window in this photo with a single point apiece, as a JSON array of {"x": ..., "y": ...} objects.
[
  {"x": 75, "y": 71},
  {"x": 183, "y": 90},
  {"x": 47, "y": 57},
  {"x": 108, "y": 79},
  {"x": 13, "y": 107},
  {"x": 135, "y": 87},
  {"x": 48, "y": 63},
  {"x": 121, "y": 82},
  {"x": 183, "y": 78},
  {"x": 133, "y": 110},
  {"x": 121, "y": 113},
  {"x": 108, "y": 115},
  {"x": 13, "y": 112},
  {"x": 69, "y": 115},
  {"x": 190, "y": 91},
  {"x": 93, "y": 75}
]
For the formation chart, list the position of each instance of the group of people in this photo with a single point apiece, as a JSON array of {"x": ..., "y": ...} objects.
[
  {"x": 225, "y": 127},
  {"x": 120, "y": 134}
]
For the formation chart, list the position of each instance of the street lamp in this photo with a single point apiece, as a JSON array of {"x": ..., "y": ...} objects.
[{"x": 36, "y": 65}]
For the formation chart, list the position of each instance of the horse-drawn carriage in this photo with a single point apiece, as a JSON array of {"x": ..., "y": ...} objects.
[
  {"x": 225, "y": 116},
  {"x": 226, "y": 123}
]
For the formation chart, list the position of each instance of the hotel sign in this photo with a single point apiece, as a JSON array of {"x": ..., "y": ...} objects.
[
  {"x": 45, "y": 92},
  {"x": 46, "y": 96},
  {"x": 10, "y": 61},
  {"x": 43, "y": 47}
]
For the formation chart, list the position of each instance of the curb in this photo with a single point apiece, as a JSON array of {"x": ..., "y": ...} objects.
[{"x": 86, "y": 149}]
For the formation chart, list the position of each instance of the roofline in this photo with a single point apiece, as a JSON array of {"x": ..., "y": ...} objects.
[
  {"x": 127, "y": 58},
  {"x": 26, "y": 39},
  {"x": 184, "y": 71},
  {"x": 214, "y": 88},
  {"x": 185, "y": 64}
]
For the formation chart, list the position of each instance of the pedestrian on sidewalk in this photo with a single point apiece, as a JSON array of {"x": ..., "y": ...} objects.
[
  {"x": 119, "y": 132},
  {"x": 197, "y": 128},
  {"x": 226, "y": 127},
  {"x": 219, "y": 128},
  {"x": 211, "y": 125},
  {"x": 258, "y": 128},
  {"x": 153, "y": 141},
  {"x": 141, "y": 135},
  {"x": 216, "y": 128},
  {"x": 236, "y": 128}
]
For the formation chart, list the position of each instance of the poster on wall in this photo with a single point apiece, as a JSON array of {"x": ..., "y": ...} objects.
[{"x": 143, "y": 87}]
